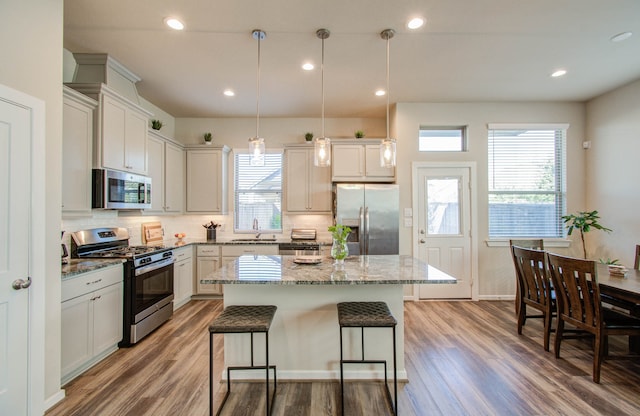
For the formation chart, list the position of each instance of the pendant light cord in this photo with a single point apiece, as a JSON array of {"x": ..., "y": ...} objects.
[
  {"x": 258, "y": 90},
  {"x": 388, "y": 93},
  {"x": 322, "y": 77}
]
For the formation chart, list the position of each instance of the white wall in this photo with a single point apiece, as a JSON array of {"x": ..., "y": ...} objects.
[
  {"x": 31, "y": 50},
  {"x": 495, "y": 268},
  {"x": 613, "y": 176}
]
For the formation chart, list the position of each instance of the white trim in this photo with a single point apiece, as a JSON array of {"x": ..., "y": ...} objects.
[
  {"x": 472, "y": 166},
  {"x": 55, "y": 399},
  {"x": 497, "y": 297},
  {"x": 551, "y": 242},
  {"x": 527, "y": 126},
  {"x": 37, "y": 247}
]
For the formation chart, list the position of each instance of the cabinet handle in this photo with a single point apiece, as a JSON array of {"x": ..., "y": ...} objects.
[
  {"x": 94, "y": 282},
  {"x": 96, "y": 297}
]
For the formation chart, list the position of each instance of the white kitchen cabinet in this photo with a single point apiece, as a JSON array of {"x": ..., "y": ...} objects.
[
  {"x": 166, "y": 169},
  {"x": 207, "y": 261},
  {"x": 307, "y": 187},
  {"x": 207, "y": 179},
  {"x": 77, "y": 148},
  {"x": 91, "y": 319},
  {"x": 121, "y": 130},
  {"x": 359, "y": 161},
  {"x": 182, "y": 276}
]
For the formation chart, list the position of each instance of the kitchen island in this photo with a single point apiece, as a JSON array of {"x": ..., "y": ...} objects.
[{"x": 304, "y": 336}]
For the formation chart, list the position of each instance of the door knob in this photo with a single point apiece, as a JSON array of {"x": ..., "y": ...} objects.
[
  {"x": 422, "y": 232},
  {"x": 21, "y": 283},
  {"x": 422, "y": 241}
]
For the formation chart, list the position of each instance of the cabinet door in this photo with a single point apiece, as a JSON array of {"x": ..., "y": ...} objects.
[
  {"x": 319, "y": 187},
  {"x": 348, "y": 162},
  {"x": 77, "y": 142},
  {"x": 174, "y": 178},
  {"x": 373, "y": 168},
  {"x": 297, "y": 180},
  {"x": 205, "y": 266},
  {"x": 156, "y": 172},
  {"x": 204, "y": 187},
  {"x": 76, "y": 332},
  {"x": 136, "y": 142},
  {"x": 107, "y": 318},
  {"x": 183, "y": 282},
  {"x": 114, "y": 115}
]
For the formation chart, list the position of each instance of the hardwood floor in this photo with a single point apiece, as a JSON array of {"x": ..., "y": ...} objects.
[{"x": 462, "y": 358}]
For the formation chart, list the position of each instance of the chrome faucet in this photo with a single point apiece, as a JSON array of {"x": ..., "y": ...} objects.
[{"x": 256, "y": 227}]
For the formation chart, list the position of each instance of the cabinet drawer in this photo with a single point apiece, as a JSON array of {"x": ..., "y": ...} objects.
[
  {"x": 239, "y": 250},
  {"x": 183, "y": 253},
  {"x": 91, "y": 281},
  {"x": 207, "y": 250}
]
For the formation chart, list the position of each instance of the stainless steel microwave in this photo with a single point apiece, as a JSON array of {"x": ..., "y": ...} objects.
[{"x": 113, "y": 189}]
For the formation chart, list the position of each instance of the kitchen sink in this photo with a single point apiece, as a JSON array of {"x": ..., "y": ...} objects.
[{"x": 254, "y": 239}]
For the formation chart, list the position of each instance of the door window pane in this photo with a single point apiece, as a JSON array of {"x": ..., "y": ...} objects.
[{"x": 443, "y": 206}]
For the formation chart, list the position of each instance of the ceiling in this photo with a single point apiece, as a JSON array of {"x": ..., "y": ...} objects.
[{"x": 467, "y": 51}]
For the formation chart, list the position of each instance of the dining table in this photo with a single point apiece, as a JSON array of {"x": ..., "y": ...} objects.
[{"x": 624, "y": 291}]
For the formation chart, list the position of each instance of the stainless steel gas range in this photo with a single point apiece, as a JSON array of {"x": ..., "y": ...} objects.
[{"x": 148, "y": 278}]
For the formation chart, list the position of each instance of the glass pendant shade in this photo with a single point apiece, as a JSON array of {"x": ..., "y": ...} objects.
[
  {"x": 388, "y": 153},
  {"x": 387, "y": 146},
  {"x": 322, "y": 152},
  {"x": 257, "y": 150}
]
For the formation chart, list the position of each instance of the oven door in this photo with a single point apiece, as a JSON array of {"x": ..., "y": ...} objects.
[{"x": 153, "y": 288}]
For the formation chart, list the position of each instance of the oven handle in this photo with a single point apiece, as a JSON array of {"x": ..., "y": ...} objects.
[{"x": 154, "y": 266}]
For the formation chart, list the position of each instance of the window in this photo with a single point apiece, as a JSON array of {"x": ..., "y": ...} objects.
[
  {"x": 526, "y": 180},
  {"x": 258, "y": 193},
  {"x": 442, "y": 139}
]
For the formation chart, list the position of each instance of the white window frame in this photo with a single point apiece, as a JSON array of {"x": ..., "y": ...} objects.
[
  {"x": 464, "y": 144},
  {"x": 556, "y": 231}
]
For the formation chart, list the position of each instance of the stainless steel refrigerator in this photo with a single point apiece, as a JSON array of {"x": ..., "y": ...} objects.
[{"x": 371, "y": 211}]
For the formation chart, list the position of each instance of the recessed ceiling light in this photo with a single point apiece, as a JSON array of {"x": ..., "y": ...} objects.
[
  {"x": 174, "y": 23},
  {"x": 229, "y": 93},
  {"x": 621, "y": 36},
  {"x": 415, "y": 23},
  {"x": 559, "y": 73},
  {"x": 307, "y": 66},
  {"x": 380, "y": 93}
]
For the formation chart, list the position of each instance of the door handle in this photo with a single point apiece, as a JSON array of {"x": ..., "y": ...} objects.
[
  {"x": 422, "y": 241},
  {"x": 21, "y": 283}
]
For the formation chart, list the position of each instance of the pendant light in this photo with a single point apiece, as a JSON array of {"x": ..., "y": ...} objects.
[
  {"x": 322, "y": 144},
  {"x": 388, "y": 145},
  {"x": 256, "y": 144}
]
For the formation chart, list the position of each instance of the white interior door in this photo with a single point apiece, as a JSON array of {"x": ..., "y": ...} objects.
[
  {"x": 444, "y": 228},
  {"x": 15, "y": 204}
]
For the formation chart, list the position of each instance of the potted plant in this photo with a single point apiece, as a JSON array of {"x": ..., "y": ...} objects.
[
  {"x": 583, "y": 221},
  {"x": 359, "y": 134},
  {"x": 339, "y": 249},
  {"x": 308, "y": 136},
  {"x": 208, "y": 138},
  {"x": 156, "y": 124}
]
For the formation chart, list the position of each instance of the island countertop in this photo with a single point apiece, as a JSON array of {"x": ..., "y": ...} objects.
[{"x": 356, "y": 270}]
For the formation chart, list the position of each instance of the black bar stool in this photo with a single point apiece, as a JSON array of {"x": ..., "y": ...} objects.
[
  {"x": 243, "y": 319},
  {"x": 368, "y": 315}
]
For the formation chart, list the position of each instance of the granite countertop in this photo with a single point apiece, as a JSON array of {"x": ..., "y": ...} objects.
[
  {"x": 357, "y": 270},
  {"x": 229, "y": 242},
  {"x": 79, "y": 266}
]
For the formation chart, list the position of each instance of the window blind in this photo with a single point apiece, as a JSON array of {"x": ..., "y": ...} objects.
[{"x": 526, "y": 181}]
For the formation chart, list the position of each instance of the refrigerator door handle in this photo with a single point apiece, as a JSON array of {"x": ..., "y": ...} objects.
[
  {"x": 361, "y": 231},
  {"x": 366, "y": 230}
]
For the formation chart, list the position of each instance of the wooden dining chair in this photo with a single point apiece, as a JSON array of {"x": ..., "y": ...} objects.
[
  {"x": 636, "y": 263},
  {"x": 536, "y": 244},
  {"x": 534, "y": 288},
  {"x": 578, "y": 299}
]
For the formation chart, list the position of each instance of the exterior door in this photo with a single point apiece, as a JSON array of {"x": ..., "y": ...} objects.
[
  {"x": 15, "y": 205},
  {"x": 444, "y": 228}
]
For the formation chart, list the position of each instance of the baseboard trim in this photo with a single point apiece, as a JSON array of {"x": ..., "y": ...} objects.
[
  {"x": 497, "y": 297},
  {"x": 55, "y": 399}
]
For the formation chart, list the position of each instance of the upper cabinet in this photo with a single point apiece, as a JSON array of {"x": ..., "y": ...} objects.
[
  {"x": 207, "y": 179},
  {"x": 167, "y": 172},
  {"x": 359, "y": 161},
  {"x": 307, "y": 187},
  {"x": 77, "y": 147}
]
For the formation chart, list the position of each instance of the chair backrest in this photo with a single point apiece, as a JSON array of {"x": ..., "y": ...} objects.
[
  {"x": 533, "y": 279},
  {"x": 636, "y": 264},
  {"x": 535, "y": 244},
  {"x": 577, "y": 293}
]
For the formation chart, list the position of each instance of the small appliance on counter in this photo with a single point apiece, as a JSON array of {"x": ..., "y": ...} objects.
[{"x": 303, "y": 243}]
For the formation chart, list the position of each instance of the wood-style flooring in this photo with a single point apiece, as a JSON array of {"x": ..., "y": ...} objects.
[{"x": 462, "y": 358}]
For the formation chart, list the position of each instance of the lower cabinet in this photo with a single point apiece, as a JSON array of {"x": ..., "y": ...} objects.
[
  {"x": 91, "y": 319},
  {"x": 182, "y": 276},
  {"x": 232, "y": 252},
  {"x": 207, "y": 261}
]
